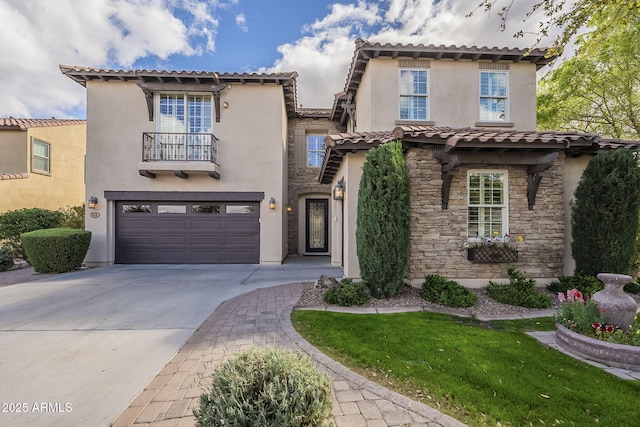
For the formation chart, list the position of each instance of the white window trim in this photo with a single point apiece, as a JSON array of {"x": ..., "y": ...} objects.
[
  {"x": 306, "y": 148},
  {"x": 427, "y": 95},
  {"x": 185, "y": 95},
  {"x": 505, "y": 212},
  {"x": 33, "y": 155},
  {"x": 506, "y": 98}
]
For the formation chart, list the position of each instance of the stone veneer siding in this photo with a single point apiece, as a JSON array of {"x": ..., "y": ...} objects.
[
  {"x": 302, "y": 179},
  {"x": 438, "y": 236}
]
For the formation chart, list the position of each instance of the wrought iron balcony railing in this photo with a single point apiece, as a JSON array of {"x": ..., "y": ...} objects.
[{"x": 179, "y": 147}]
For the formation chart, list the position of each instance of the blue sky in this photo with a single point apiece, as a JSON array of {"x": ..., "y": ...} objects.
[{"x": 312, "y": 37}]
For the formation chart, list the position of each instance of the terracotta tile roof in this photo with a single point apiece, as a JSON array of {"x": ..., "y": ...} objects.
[
  {"x": 4, "y": 176},
  {"x": 366, "y": 50},
  {"x": 287, "y": 80},
  {"x": 473, "y": 138},
  {"x": 12, "y": 123},
  {"x": 313, "y": 112}
]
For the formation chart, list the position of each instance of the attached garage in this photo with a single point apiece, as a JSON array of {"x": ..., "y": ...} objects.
[{"x": 187, "y": 232}]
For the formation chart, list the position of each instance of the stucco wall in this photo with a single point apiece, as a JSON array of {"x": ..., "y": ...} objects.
[
  {"x": 438, "y": 236},
  {"x": 454, "y": 91},
  {"x": 62, "y": 187},
  {"x": 252, "y": 155}
]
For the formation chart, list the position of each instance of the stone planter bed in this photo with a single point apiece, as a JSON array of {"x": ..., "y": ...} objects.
[{"x": 610, "y": 354}]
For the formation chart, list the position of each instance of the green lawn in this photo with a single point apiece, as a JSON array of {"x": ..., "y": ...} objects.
[{"x": 484, "y": 374}]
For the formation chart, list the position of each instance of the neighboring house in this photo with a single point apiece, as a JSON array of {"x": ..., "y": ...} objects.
[
  {"x": 205, "y": 167},
  {"x": 41, "y": 163}
]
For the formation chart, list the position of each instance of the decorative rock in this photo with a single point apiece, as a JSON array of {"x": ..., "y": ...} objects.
[
  {"x": 620, "y": 308},
  {"x": 325, "y": 282}
]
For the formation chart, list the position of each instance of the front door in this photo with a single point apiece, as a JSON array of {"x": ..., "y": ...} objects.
[{"x": 317, "y": 232}]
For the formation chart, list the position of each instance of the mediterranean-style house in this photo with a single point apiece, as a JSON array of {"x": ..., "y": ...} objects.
[
  {"x": 206, "y": 167},
  {"x": 41, "y": 163}
]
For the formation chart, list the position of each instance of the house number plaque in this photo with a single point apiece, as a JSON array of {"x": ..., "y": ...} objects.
[{"x": 94, "y": 214}]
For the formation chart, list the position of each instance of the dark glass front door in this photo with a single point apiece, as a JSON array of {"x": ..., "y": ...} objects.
[{"x": 317, "y": 233}]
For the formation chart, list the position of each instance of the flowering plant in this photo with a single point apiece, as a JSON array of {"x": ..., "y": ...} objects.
[
  {"x": 494, "y": 241},
  {"x": 578, "y": 313},
  {"x": 583, "y": 316}
]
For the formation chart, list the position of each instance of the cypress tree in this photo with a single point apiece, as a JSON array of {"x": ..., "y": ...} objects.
[
  {"x": 382, "y": 234},
  {"x": 604, "y": 217}
]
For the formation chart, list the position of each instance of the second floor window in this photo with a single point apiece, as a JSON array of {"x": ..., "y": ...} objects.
[
  {"x": 414, "y": 95},
  {"x": 185, "y": 113},
  {"x": 494, "y": 90},
  {"x": 185, "y": 121},
  {"x": 315, "y": 150},
  {"x": 40, "y": 159}
]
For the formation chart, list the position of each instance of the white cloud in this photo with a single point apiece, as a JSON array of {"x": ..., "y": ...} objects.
[
  {"x": 241, "y": 22},
  {"x": 38, "y": 35}
]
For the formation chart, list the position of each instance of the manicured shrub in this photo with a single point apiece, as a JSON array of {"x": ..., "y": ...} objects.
[
  {"x": 604, "y": 216},
  {"x": 56, "y": 250},
  {"x": 519, "y": 291},
  {"x": 439, "y": 290},
  {"x": 347, "y": 293},
  {"x": 6, "y": 258},
  {"x": 267, "y": 387},
  {"x": 587, "y": 285},
  {"x": 382, "y": 233},
  {"x": 633, "y": 287},
  {"x": 14, "y": 223}
]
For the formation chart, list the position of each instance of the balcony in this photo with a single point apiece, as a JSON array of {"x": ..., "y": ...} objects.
[{"x": 181, "y": 154}]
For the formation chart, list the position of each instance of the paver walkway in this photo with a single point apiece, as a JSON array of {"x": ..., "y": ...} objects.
[{"x": 262, "y": 317}]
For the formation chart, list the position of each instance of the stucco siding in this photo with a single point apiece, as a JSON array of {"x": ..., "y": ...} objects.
[
  {"x": 251, "y": 139},
  {"x": 454, "y": 93},
  {"x": 63, "y": 186}
]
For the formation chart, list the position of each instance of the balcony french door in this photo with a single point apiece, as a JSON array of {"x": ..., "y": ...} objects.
[{"x": 184, "y": 114}]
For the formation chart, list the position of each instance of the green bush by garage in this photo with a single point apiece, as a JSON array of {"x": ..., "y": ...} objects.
[{"x": 56, "y": 250}]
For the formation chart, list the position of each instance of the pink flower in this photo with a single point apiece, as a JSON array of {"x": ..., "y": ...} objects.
[
  {"x": 596, "y": 325},
  {"x": 561, "y": 297}
]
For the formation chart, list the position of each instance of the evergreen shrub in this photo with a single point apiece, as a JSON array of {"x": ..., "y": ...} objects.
[
  {"x": 267, "y": 387},
  {"x": 347, "y": 293},
  {"x": 382, "y": 232},
  {"x": 6, "y": 258},
  {"x": 604, "y": 216},
  {"x": 587, "y": 285},
  {"x": 14, "y": 223},
  {"x": 439, "y": 290},
  {"x": 520, "y": 291},
  {"x": 56, "y": 250}
]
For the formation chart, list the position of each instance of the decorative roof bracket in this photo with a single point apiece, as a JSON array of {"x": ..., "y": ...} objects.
[
  {"x": 216, "y": 98},
  {"x": 537, "y": 164}
]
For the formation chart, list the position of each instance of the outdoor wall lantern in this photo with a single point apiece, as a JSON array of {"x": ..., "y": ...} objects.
[
  {"x": 272, "y": 203},
  {"x": 93, "y": 202},
  {"x": 338, "y": 191},
  {"x": 225, "y": 104},
  {"x": 289, "y": 208}
]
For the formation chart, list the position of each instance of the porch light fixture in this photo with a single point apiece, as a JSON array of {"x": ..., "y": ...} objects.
[
  {"x": 93, "y": 202},
  {"x": 289, "y": 208},
  {"x": 225, "y": 104},
  {"x": 338, "y": 191},
  {"x": 272, "y": 203}
]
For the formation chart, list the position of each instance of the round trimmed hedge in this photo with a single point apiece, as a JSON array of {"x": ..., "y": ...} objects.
[{"x": 56, "y": 250}]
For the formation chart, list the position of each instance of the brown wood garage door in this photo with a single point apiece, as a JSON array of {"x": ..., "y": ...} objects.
[{"x": 187, "y": 232}]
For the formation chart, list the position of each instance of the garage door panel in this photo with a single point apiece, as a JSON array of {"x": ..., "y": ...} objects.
[{"x": 190, "y": 236}]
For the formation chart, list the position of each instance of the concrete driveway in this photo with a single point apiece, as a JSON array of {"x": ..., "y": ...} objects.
[{"x": 76, "y": 348}]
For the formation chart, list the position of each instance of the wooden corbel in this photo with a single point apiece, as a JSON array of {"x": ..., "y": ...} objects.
[
  {"x": 148, "y": 95},
  {"x": 535, "y": 173},
  {"x": 216, "y": 89},
  {"x": 449, "y": 164}
]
